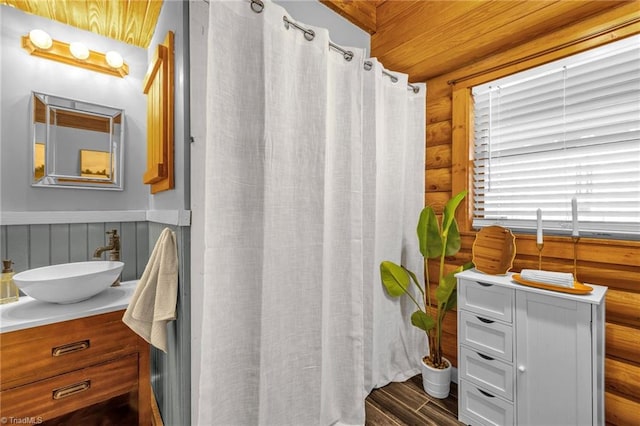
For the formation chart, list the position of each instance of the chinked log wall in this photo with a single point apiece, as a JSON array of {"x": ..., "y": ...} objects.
[{"x": 416, "y": 37}]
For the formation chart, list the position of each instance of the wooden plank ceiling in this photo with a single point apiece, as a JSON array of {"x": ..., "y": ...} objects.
[
  {"x": 428, "y": 38},
  {"x": 129, "y": 21}
]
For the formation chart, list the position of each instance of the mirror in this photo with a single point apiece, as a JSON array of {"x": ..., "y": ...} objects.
[{"x": 76, "y": 144}]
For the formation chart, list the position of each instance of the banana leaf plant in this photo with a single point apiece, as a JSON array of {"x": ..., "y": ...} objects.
[{"x": 437, "y": 241}]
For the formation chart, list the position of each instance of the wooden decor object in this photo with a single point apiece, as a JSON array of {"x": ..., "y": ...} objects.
[
  {"x": 493, "y": 250},
  {"x": 158, "y": 86},
  {"x": 578, "y": 287},
  {"x": 59, "y": 51}
]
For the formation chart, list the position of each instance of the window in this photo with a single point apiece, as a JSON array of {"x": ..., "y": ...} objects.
[{"x": 570, "y": 128}]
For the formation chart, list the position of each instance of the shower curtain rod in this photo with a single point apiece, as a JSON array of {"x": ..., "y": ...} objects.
[{"x": 258, "y": 5}]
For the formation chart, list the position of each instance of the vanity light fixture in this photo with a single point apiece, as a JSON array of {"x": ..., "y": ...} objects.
[
  {"x": 40, "y": 39},
  {"x": 79, "y": 51},
  {"x": 39, "y": 43},
  {"x": 114, "y": 59}
]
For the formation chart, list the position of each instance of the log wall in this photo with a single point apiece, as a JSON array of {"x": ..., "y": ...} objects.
[{"x": 455, "y": 45}]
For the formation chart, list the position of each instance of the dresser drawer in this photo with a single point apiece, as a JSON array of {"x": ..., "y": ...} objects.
[
  {"x": 62, "y": 394},
  {"x": 478, "y": 407},
  {"x": 490, "y": 337},
  {"x": 493, "y": 375},
  {"x": 46, "y": 351},
  {"x": 487, "y": 300}
]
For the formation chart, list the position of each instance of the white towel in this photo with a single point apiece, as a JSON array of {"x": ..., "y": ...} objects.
[
  {"x": 153, "y": 303},
  {"x": 561, "y": 279}
]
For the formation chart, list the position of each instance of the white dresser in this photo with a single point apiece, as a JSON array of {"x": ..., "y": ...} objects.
[{"x": 528, "y": 356}]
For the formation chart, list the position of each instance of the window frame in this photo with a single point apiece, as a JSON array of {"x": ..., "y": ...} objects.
[{"x": 462, "y": 120}]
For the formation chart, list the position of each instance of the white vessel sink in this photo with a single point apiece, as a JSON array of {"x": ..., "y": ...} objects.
[{"x": 68, "y": 282}]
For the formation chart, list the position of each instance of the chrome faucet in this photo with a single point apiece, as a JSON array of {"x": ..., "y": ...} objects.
[{"x": 113, "y": 248}]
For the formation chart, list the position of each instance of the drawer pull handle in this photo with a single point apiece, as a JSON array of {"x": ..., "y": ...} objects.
[
  {"x": 70, "y": 348},
  {"x": 485, "y": 393},
  {"x": 71, "y": 389},
  {"x": 486, "y": 321},
  {"x": 488, "y": 358},
  {"x": 484, "y": 284}
]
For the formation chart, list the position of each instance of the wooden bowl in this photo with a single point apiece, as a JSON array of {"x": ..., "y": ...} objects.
[{"x": 493, "y": 250}]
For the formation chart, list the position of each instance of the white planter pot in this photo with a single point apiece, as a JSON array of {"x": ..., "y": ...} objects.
[{"x": 436, "y": 382}]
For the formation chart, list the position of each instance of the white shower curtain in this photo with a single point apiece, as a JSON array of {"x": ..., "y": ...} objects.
[{"x": 315, "y": 173}]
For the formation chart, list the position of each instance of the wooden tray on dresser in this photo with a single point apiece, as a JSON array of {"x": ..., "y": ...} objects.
[{"x": 578, "y": 287}]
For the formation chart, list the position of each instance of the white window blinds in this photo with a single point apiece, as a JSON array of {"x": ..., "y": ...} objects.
[{"x": 567, "y": 129}]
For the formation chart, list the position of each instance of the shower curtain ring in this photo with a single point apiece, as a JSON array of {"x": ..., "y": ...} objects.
[
  {"x": 257, "y": 6},
  {"x": 309, "y": 34},
  {"x": 368, "y": 65},
  {"x": 348, "y": 55}
]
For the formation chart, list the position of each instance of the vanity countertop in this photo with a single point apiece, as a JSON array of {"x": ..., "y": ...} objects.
[{"x": 28, "y": 312}]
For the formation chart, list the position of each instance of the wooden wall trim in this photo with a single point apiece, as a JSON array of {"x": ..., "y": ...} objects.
[
  {"x": 171, "y": 217},
  {"x": 57, "y": 217},
  {"x": 601, "y": 29},
  {"x": 587, "y": 38},
  {"x": 156, "y": 418},
  {"x": 360, "y": 13},
  {"x": 462, "y": 154}
]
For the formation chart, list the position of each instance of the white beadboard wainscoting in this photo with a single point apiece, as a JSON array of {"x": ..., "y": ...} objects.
[{"x": 35, "y": 245}]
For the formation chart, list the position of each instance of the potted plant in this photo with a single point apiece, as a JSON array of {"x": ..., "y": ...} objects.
[{"x": 437, "y": 241}]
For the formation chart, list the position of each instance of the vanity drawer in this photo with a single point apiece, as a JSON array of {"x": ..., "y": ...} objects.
[
  {"x": 49, "y": 398},
  {"x": 488, "y": 336},
  {"x": 493, "y": 375},
  {"x": 487, "y": 300},
  {"x": 40, "y": 352},
  {"x": 478, "y": 407}
]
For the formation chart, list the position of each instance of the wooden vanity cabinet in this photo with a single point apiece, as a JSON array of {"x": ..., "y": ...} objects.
[{"x": 56, "y": 369}]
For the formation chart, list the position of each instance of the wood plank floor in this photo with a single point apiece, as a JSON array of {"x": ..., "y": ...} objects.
[{"x": 400, "y": 404}]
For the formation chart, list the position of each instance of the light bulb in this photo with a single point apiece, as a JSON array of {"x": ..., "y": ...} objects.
[
  {"x": 40, "y": 39},
  {"x": 79, "y": 51},
  {"x": 114, "y": 59}
]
